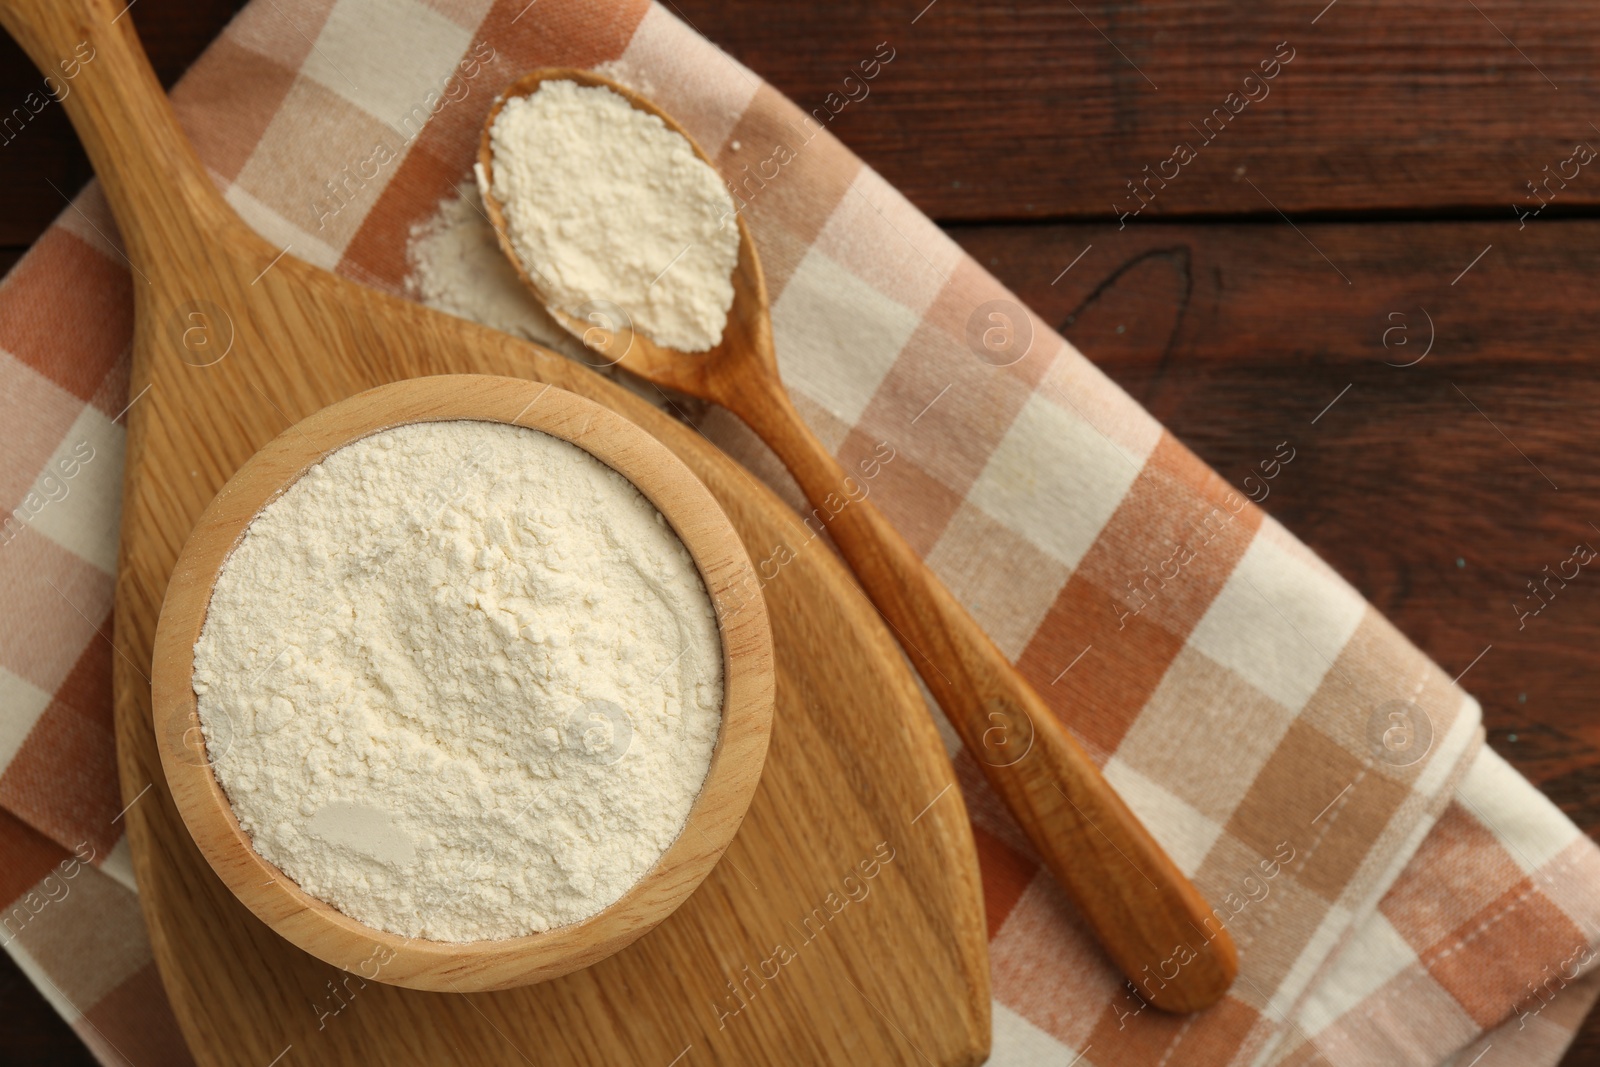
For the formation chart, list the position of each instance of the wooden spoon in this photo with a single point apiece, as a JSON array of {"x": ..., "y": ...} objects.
[{"x": 1152, "y": 921}]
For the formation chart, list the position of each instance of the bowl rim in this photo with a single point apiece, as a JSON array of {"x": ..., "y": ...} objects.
[{"x": 736, "y": 761}]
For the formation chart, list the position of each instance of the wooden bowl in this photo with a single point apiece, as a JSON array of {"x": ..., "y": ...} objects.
[{"x": 736, "y": 761}]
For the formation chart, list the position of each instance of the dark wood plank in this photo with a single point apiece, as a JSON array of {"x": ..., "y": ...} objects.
[
  {"x": 993, "y": 111},
  {"x": 1424, "y": 485},
  {"x": 996, "y": 110}
]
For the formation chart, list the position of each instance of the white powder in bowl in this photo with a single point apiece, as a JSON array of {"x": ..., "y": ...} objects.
[
  {"x": 461, "y": 681},
  {"x": 604, "y": 203}
]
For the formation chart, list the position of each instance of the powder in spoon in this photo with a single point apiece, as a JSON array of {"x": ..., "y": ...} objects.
[
  {"x": 461, "y": 681},
  {"x": 604, "y": 203}
]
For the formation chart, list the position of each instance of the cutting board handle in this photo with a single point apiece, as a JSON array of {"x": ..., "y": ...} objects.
[{"x": 162, "y": 197}]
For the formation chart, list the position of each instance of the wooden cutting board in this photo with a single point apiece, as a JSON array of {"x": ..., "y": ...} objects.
[{"x": 788, "y": 953}]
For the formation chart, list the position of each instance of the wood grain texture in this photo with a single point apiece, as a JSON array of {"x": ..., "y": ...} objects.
[
  {"x": 994, "y": 110},
  {"x": 1003, "y": 111},
  {"x": 736, "y": 761},
  {"x": 896, "y": 976},
  {"x": 1143, "y": 910}
]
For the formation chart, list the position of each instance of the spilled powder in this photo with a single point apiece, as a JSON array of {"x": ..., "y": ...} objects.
[{"x": 457, "y": 267}]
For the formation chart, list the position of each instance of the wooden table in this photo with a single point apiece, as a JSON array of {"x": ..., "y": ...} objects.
[{"x": 1283, "y": 283}]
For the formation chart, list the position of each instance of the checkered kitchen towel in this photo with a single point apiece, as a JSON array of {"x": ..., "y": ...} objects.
[{"x": 1387, "y": 911}]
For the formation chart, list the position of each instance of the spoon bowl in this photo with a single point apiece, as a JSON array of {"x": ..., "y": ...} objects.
[{"x": 746, "y": 346}]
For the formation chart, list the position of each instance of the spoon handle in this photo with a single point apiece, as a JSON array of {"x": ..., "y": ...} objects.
[{"x": 1151, "y": 920}]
